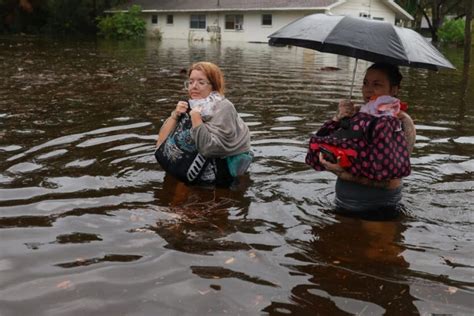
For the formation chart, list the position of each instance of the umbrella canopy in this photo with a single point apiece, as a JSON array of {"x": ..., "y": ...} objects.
[{"x": 361, "y": 38}]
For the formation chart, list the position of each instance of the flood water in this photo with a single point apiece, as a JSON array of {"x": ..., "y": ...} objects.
[{"x": 91, "y": 225}]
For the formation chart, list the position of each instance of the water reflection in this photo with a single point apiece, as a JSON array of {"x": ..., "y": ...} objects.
[
  {"x": 353, "y": 266},
  {"x": 200, "y": 216}
]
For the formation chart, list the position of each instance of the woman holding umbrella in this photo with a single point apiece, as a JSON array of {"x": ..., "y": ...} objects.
[
  {"x": 372, "y": 184},
  {"x": 373, "y": 181}
]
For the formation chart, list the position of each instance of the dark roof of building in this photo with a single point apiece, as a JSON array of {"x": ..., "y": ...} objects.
[
  {"x": 209, "y": 5},
  {"x": 245, "y": 5}
]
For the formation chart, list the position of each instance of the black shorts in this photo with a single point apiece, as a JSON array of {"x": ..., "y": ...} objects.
[{"x": 360, "y": 200}]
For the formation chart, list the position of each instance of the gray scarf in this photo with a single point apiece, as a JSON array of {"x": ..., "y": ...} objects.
[{"x": 223, "y": 133}]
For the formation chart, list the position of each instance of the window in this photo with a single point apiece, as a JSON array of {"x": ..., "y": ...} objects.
[
  {"x": 364, "y": 15},
  {"x": 234, "y": 22},
  {"x": 154, "y": 19},
  {"x": 169, "y": 19},
  {"x": 267, "y": 19},
  {"x": 378, "y": 18},
  {"x": 198, "y": 21}
]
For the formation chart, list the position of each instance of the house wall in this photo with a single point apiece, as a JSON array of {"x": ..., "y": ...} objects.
[
  {"x": 376, "y": 9},
  {"x": 252, "y": 31}
]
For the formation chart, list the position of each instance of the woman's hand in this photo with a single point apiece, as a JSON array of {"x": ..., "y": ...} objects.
[
  {"x": 171, "y": 122},
  {"x": 196, "y": 118},
  {"x": 345, "y": 108},
  {"x": 342, "y": 174},
  {"x": 332, "y": 167},
  {"x": 196, "y": 110},
  {"x": 180, "y": 109}
]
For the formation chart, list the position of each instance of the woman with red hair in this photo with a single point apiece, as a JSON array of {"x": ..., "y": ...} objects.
[{"x": 204, "y": 141}]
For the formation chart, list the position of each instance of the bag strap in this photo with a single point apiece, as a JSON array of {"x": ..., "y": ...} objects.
[
  {"x": 197, "y": 167},
  {"x": 370, "y": 129},
  {"x": 346, "y": 130}
]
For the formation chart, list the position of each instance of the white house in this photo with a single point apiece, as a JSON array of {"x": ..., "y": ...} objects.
[{"x": 249, "y": 20}]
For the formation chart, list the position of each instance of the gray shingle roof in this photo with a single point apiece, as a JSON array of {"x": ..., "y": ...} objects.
[{"x": 178, "y": 5}]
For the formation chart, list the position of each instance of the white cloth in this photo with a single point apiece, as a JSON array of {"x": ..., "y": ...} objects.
[{"x": 382, "y": 105}]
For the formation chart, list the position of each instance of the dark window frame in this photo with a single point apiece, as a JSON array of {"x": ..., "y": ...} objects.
[
  {"x": 234, "y": 22},
  {"x": 265, "y": 18},
  {"x": 154, "y": 19},
  {"x": 197, "y": 21}
]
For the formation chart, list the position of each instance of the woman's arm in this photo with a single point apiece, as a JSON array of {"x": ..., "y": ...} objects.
[
  {"x": 345, "y": 109},
  {"x": 341, "y": 173},
  {"x": 410, "y": 134},
  {"x": 170, "y": 124},
  {"x": 409, "y": 129}
]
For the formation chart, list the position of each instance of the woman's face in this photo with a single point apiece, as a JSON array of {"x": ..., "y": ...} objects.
[
  {"x": 199, "y": 87},
  {"x": 376, "y": 83}
]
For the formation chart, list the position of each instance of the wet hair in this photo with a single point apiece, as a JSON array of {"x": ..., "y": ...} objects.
[
  {"x": 213, "y": 74},
  {"x": 391, "y": 71}
]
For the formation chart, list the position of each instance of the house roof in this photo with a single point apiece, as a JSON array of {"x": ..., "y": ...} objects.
[
  {"x": 246, "y": 5},
  {"x": 399, "y": 11},
  {"x": 226, "y": 5}
]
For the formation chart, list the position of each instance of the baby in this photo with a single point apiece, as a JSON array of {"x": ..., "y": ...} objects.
[
  {"x": 339, "y": 145},
  {"x": 207, "y": 105},
  {"x": 382, "y": 105}
]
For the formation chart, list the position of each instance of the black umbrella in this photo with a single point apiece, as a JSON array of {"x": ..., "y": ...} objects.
[{"x": 361, "y": 38}]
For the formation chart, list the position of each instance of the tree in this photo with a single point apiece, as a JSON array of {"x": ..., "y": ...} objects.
[
  {"x": 53, "y": 16},
  {"x": 123, "y": 25},
  {"x": 434, "y": 11},
  {"x": 469, "y": 6}
]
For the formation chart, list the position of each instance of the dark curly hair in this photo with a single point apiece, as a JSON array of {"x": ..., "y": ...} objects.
[{"x": 392, "y": 72}]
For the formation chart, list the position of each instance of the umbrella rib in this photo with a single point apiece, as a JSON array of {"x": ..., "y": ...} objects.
[
  {"x": 400, "y": 40},
  {"x": 332, "y": 30}
]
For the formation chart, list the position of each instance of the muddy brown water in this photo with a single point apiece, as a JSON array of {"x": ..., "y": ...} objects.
[{"x": 91, "y": 225}]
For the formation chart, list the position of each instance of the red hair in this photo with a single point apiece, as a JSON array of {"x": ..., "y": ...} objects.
[{"x": 213, "y": 74}]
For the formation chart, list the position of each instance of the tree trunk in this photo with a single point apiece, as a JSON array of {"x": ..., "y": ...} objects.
[
  {"x": 435, "y": 20},
  {"x": 469, "y": 6},
  {"x": 428, "y": 20},
  {"x": 467, "y": 33}
]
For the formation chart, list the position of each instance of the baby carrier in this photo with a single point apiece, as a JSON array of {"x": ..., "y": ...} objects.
[{"x": 368, "y": 146}]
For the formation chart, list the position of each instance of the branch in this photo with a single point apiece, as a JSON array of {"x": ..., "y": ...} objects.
[
  {"x": 454, "y": 5},
  {"x": 426, "y": 16}
]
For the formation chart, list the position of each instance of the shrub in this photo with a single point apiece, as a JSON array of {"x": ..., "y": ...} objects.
[
  {"x": 123, "y": 25},
  {"x": 452, "y": 31}
]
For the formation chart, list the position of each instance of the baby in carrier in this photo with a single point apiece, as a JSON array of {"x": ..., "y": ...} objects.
[
  {"x": 382, "y": 105},
  {"x": 370, "y": 143}
]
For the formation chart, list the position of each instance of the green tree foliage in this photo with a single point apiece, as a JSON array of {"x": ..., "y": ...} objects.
[
  {"x": 452, "y": 31},
  {"x": 53, "y": 16},
  {"x": 70, "y": 17},
  {"x": 434, "y": 11},
  {"x": 123, "y": 25}
]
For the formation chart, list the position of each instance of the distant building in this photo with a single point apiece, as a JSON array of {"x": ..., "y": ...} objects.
[{"x": 249, "y": 20}]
